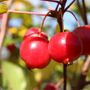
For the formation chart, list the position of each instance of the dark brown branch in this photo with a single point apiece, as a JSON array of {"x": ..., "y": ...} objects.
[
  {"x": 60, "y": 82},
  {"x": 87, "y": 83},
  {"x": 82, "y": 79},
  {"x": 69, "y": 5},
  {"x": 78, "y": 24},
  {"x": 60, "y": 21},
  {"x": 64, "y": 2},
  {"x": 86, "y": 66},
  {"x": 81, "y": 82},
  {"x": 84, "y": 12},
  {"x": 65, "y": 76},
  {"x": 80, "y": 9}
]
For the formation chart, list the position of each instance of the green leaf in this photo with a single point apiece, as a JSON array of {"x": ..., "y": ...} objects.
[
  {"x": 3, "y": 8},
  {"x": 47, "y": 71},
  {"x": 16, "y": 77}
]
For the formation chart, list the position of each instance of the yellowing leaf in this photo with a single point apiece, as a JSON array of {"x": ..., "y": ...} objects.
[
  {"x": 3, "y": 8},
  {"x": 12, "y": 30},
  {"x": 45, "y": 73},
  {"x": 22, "y": 31}
]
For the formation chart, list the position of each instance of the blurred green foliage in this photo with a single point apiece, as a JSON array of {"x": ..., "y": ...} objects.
[{"x": 3, "y": 8}]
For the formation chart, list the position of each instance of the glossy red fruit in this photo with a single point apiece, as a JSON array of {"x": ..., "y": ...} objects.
[
  {"x": 50, "y": 86},
  {"x": 35, "y": 32},
  {"x": 83, "y": 33},
  {"x": 11, "y": 47},
  {"x": 34, "y": 51},
  {"x": 31, "y": 31},
  {"x": 64, "y": 47}
]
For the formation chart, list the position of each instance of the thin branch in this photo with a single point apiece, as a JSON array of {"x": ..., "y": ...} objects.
[
  {"x": 82, "y": 79},
  {"x": 60, "y": 82},
  {"x": 3, "y": 32},
  {"x": 64, "y": 2},
  {"x": 41, "y": 27},
  {"x": 54, "y": 1},
  {"x": 26, "y": 12},
  {"x": 81, "y": 82},
  {"x": 60, "y": 20},
  {"x": 65, "y": 76},
  {"x": 74, "y": 17},
  {"x": 84, "y": 12},
  {"x": 87, "y": 83},
  {"x": 4, "y": 25},
  {"x": 80, "y": 8},
  {"x": 57, "y": 7},
  {"x": 3, "y": 29},
  {"x": 69, "y": 5},
  {"x": 86, "y": 66}
]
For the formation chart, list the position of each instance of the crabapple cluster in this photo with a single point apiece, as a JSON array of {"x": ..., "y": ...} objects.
[
  {"x": 63, "y": 47},
  {"x": 83, "y": 32},
  {"x": 34, "y": 49},
  {"x": 51, "y": 86}
]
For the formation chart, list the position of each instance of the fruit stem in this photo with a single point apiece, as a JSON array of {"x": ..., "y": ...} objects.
[
  {"x": 41, "y": 27},
  {"x": 78, "y": 24},
  {"x": 69, "y": 5},
  {"x": 65, "y": 76}
]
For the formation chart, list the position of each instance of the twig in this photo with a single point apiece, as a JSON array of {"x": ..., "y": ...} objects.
[
  {"x": 3, "y": 33},
  {"x": 54, "y": 1},
  {"x": 60, "y": 82},
  {"x": 80, "y": 9},
  {"x": 84, "y": 12},
  {"x": 26, "y": 12},
  {"x": 74, "y": 17},
  {"x": 65, "y": 76},
  {"x": 4, "y": 25},
  {"x": 64, "y": 2},
  {"x": 82, "y": 79},
  {"x": 86, "y": 66},
  {"x": 87, "y": 83},
  {"x": 41, "y": 27},
  {"x": 69, "y": 5}
]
